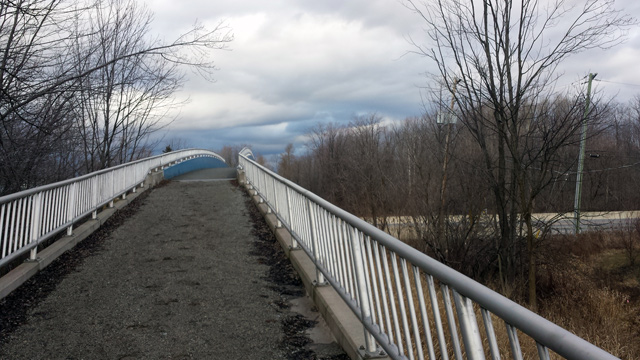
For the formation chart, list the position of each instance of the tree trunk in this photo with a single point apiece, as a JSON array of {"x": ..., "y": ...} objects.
[{"x": 533, "y": 296}]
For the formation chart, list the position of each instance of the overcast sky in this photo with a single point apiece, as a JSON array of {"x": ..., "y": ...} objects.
[{"x": 296, "y": 63}]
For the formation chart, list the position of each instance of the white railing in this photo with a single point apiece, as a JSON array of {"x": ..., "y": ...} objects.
[
  {"x": 247, "y": 153},
  {"x": 393, "y": 288},
  {"x": 29, "y": 217}
]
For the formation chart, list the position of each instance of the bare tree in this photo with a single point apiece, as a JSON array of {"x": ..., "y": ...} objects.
[
  {"x": 230, "y": 153},
  {"x": 261, "y": 160},
  {"x": 504, "y": 53},
  {"x": 36, "y": 39},
  {"x": 369, "y": 164},
  {"x": 419, "y": 145},
  {"x": 29, "y": 130},
  {"x": 175, "y": 143},
  {"x": 286, "y": 162},
  {"x": 328, "y": 144},
  {"x": 628, "y": 239},
  {"x": 58, "y": 54},
  {"x": 120, "y": 104}
]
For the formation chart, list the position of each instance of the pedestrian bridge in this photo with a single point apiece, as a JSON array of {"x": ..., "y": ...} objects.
[{"x": 177, "y": 279}]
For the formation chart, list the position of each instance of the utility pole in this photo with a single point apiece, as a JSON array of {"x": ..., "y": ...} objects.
[
  {"x": 583, "y": 141},
  {"x": 440, "y": 232}
]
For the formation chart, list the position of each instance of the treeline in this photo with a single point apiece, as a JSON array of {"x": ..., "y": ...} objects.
[
  {"x": 379, "y": 170},
  {"x": 84, "y": 83},
  {"x": 375, "y": 169}
]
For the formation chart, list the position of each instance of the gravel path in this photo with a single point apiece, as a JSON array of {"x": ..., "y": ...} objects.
[{"x": 167, "y": 284}]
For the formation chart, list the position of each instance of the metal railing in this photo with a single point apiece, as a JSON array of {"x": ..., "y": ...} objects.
[
  {"x": 29, "y": 217},
  {"x": 247, "y": 153},
  {"x": 402, "y": 296}
]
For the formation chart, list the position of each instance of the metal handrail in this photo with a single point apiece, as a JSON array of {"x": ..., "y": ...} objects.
[
  {"x": 387, "y": 283},
  {"x": 30, "y": 217},
  {"x": 247, "y": 152}
]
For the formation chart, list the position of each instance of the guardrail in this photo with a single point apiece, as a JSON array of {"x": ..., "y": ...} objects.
[
  {"x": 247, "y": 153},
  {"x": 392, "y": 288},
  {"x": 29, "y": 217}
]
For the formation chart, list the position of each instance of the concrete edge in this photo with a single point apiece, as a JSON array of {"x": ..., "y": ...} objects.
[
  {"x": 16, "y": 277},
  {"x": 342, "y": 322}
]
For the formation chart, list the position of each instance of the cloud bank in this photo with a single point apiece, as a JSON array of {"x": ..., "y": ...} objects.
[{"x": 294, "y": 64}]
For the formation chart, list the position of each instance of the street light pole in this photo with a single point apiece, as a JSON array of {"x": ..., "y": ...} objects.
[{"x": 583, "y": 140}]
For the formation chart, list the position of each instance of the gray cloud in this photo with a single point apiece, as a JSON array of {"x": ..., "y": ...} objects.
[{"x": 296, "y": 63}]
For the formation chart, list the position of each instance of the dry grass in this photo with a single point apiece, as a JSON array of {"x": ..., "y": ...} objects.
[{"x": 593, "y": 291}]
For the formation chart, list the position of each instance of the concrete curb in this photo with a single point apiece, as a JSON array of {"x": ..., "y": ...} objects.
[
  {"x": 344, "y": 324},
  {"x": 46, "y": 256}
]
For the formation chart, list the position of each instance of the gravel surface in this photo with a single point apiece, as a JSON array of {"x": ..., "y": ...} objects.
[
  {"x": 184, "y": 276},
  {"x": 296, "y": 326},
  {"x": 208, "y": 174}
]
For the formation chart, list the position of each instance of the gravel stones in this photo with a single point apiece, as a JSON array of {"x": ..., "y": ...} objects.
[{"x": 185, "y": 271}]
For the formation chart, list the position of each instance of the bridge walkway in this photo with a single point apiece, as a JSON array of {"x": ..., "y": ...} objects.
[{"x": 179, "y": 279}]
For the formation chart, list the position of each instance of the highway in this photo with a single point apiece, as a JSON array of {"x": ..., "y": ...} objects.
[
  {"x": 562, "y": 223},
  {"x": 589, "y": 221},
  {"x": 567, "y": 226}
]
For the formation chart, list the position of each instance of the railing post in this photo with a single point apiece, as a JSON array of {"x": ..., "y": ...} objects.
[
  {"x": 266, "y": 191},
  {"x": 320, "y": 281},
  {"x": 35, "y": 224},
  {"x": 370, "y": 349},
  {"x": 94, "y": 186},
  {"x": 469, "y": 327},
  {"x": 294, "y": 243},
  {"x": 71, "y": 207},
  {"x": 275, "y": 203},
  {"x": 113, "y": 188}
]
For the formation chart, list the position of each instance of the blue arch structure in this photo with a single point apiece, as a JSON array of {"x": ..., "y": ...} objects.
[{"x": 193, "y": 165}]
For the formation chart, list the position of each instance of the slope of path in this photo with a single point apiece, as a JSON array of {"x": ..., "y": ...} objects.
[
  {"x": 208, "y": 174},
  {"x": 174, "y": 281}
]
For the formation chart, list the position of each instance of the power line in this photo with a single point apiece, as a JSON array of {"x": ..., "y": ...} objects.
[
  {"x": 613, "y": 168},
  {"x": 570, "y": 84},
  {"x": 619, "y": 83},
  {"x": 567, "y": 173}
]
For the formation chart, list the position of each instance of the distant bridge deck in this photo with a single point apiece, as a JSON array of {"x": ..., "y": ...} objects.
[{"x": 177, "y": 280}]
